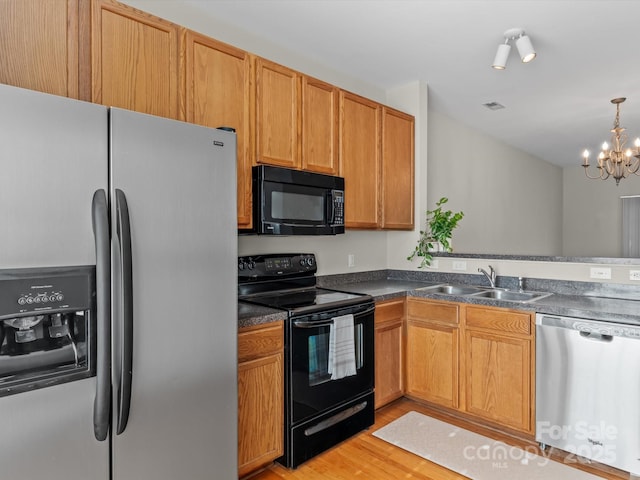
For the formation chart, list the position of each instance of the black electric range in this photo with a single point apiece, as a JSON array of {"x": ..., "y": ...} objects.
[
  {"x": 322, "y": 407},
  {"x": 288, "y": 282}
]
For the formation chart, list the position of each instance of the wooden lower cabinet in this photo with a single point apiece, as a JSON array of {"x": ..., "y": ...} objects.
[
  {"x": 499, "y": 365},
  {"x": 260, "y": 396},
  {"x": 477, "y": 360},
  {"x": 433, "y": 351},
  {"x": 389, "y": 345}
]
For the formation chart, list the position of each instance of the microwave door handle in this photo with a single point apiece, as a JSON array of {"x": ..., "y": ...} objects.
[{"x": 331, "y": 208}]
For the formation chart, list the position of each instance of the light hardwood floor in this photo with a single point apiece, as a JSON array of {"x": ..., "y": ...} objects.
[{"x": 367, "y": 457}]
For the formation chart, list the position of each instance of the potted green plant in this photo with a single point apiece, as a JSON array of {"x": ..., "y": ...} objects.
[{"x": 440, "y": 225}]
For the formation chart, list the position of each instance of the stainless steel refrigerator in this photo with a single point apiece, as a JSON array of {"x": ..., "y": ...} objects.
[{"x": 117, "y": 294}]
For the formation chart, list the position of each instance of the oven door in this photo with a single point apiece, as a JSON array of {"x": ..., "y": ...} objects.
[{"x": 311, "y": 389}]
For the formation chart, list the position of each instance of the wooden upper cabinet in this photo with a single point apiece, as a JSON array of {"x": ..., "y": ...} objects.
[
  {"x": 397, "y": 179},
  {"x": 218, "y": 93},
  {"x": 360, "y": 159},
  {"x": 320, "y": 102},
  {"x": 277, "y": 100},
  {"x": 134, "y": 60},
  {"x": 39, "y": 45}
]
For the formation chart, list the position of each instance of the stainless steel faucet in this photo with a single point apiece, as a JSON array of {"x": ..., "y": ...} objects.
[{"x": 490, "y": 276}]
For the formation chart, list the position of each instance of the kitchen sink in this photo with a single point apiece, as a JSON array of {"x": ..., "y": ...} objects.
[
  {"x": 512, "y": 296},
  {"x": 454, "y": 289},
  {"x": 486, "y": 292}
]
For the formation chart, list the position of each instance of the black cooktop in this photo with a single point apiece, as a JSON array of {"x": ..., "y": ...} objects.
[
  {"x": 292, "y": 300},
  {"x": 287, "y": 282}
]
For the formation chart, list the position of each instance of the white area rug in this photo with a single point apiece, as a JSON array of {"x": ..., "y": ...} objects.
[{"x": 471, "y": 454}]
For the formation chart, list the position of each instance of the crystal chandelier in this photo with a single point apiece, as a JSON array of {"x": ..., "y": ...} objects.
[{"x": 614, "y": 160}]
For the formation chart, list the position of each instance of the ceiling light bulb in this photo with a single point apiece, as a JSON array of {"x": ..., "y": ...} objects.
[
  {"x": 637, "y": 142},
  {"x": 500, "y": 62},
  {"x": 525, "y": 48},
  {"x": 605, "y": 146}
]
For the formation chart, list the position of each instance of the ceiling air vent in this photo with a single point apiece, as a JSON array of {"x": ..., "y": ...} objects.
[{"x": 493, "y": 105}]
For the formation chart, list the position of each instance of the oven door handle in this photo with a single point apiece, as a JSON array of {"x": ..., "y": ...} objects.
[
  {"x": 325, "y": 323},
  {"x": 299, "y": 324}
]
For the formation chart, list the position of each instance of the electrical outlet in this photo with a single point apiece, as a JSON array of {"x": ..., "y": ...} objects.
[
  {"x": 460, "y": 265},
  {"x": 634, "y": 274},
  {"x": 351, "y": 260},
  {"x": 601, "y": 273},
  {"x": 434, "y": 264}
]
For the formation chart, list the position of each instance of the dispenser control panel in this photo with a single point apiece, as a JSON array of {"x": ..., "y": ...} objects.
[{"x": 24, "y": 291}]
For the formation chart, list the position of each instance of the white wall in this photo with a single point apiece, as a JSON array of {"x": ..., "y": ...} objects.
[
  {"x": 512, "y": 201},
  {"x": 593, "y": 213},
  {"x": 379, "y": 250}
]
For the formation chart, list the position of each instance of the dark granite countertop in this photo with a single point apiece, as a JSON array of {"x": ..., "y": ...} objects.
[
  {"x": 249, "y": 315},
  {"x": 612, "y": 303},
  {"x": 582, "y": 306},
  {"x": 382, "y": 290}
]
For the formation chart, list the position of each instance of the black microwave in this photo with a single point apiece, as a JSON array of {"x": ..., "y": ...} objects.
[{"x": 293, "y": 202}]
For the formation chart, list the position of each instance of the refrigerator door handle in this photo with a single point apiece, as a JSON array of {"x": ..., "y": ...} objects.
[
  {"x": 102, "y": 401},
  {"x": 123, "y": 227}
]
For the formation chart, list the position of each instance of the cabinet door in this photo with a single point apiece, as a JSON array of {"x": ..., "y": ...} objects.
[
  {"x": 432, "y": 362},
  {"x": 260, "y": 396},
  {"x": 260, "y": 417},
  {"x": 218, "y": 93},
  {"x": 319, "y": 126},
  {"x": 498, "y": 378},
  {"x": 389, "y": 343},
  {"x": 39, "y": 45},
  {"x": 397, "y": 179},
  {"x": 277, "y": 99},
  {"x": 360, "y": 159},
  {"x": 134, "y": 60}
]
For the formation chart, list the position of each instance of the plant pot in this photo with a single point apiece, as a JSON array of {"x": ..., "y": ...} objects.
[{"x": 437, "y": 247}]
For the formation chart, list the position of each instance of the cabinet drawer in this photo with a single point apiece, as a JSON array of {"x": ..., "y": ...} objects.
[
  {"x": 432, "y": 311},
  {"x": 390, "y": 310},
  {"x": 260, "y": 340},
  {"x": 498, "y": 319}
]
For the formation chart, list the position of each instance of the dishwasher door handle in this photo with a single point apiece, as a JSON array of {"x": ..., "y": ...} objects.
[{"x": 598, "y": 337}]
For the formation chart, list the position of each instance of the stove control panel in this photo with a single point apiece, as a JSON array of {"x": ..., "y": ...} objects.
[{"x": 261, "y": 267}]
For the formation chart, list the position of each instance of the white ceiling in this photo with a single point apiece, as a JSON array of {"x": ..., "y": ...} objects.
[{"x": 588, "y": 53}]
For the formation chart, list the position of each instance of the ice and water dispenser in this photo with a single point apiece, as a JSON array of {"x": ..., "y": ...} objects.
[{"x": 46, "y": 327}]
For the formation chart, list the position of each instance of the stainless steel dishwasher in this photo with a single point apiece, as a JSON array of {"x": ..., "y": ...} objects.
[{"x": 588, "y": 389}]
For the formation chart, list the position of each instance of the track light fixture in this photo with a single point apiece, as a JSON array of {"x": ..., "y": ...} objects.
[{"x": 523, "y": 44}]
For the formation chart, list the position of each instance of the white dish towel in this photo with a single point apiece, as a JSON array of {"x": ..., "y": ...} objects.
[{"x": 342, "y": 351}]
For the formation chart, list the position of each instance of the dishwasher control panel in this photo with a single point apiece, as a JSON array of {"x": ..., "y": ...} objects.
[{"x": 587, "y": 327}]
